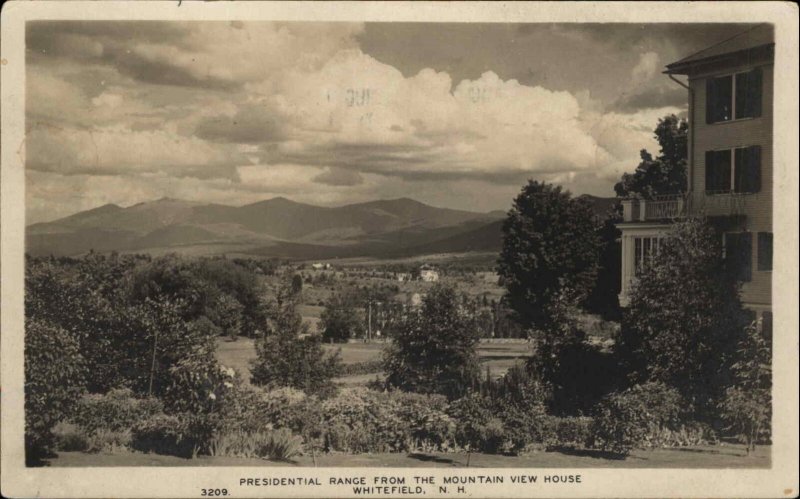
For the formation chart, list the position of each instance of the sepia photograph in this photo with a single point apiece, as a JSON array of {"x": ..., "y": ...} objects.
[{"x": 504, "y": 251}]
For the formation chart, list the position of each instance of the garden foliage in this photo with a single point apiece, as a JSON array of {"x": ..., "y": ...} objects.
[{"x": 434, "y": 348}]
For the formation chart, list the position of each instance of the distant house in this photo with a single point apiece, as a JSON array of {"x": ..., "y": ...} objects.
[
  {"x": 428, "y": 274},
  {"x": 320, "y": 266}
]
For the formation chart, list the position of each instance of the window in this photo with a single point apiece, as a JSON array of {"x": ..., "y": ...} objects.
[
  {"x": 765, "y": 251},
  {"x": 644, "y": 251},
  {"x": 748, "y": 94},
  {"x": 738, "y": 254},
  {"x": 733, "y": 170},
  {"x": 734, "y": 96}
]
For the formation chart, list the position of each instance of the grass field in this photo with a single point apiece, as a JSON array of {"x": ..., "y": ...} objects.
[
  {"x": 717, "y": 456},
  {"x": 497, "y": 356}
]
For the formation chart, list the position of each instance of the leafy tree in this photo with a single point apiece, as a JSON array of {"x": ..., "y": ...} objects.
[
  {"x": 747, "y": 405},
  {"x": 297, "y": 284},
  {"x": 549, "y": 254},
  {"x": 227, "y": 313},
  {"x": 434, "y": 348},
  {"x": 289, "y": 356},
  {"x": 685, "y": 318},
  {"x": 664, "y": 174},
  {"x": 604, "y": 296},
  {"x": 339, "y": 321},
  {"x": 54, "y": 377}
]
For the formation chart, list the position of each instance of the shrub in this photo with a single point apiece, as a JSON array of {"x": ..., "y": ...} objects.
[
  {"x": 571, "y": 432},
  {"x": 629, "y": 419},
  {"x": 269, "y": 444},
  {"x": 747, "y": 405},
  {"x": 577, "y": 374},
  {"x": 70, "y": 438},
  {"x": 286, "y": 359},
  {"x": 163, "y": 434},
  {"x": 252, "y": 409},
  {"x": 477, "y": 428},
  {"x": 526, "y": 426},
  {"x": 104, "y": 440},
  {"x": 365, "y": 367},
  {"x": 116, "y": 410},
  {"x": 434, "y": 349},
  {"x": 54, "y": 378}
]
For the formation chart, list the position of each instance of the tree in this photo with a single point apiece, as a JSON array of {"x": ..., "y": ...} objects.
[
  {"x": 604, "y": 296},
  {"x": 434, "y": 348},
  {"x": 685, "y": 318},
  {"x": 297, "y": 284},
  {"x": 339, "y": 321},
  {"x": 549, "y": 254},
  {"x": 54, "y": 375},
  {"x": 665, "y": 174},
  {"x": 227, "y": 314},
  {"x": 284, "y": 358},
  {"x": 747, "y": 405}
]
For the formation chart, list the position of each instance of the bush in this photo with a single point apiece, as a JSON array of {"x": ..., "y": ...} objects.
[
  {"x": 116, "y": 411},
  {"x": 163, "y": 434},
  {"x": 477, "y": 428},
  {"x": 630, "y": 419},
  {"x": 252, "y": 409},
  {"x": 434, "y": 349},
  {"x": 578, "y": 374},
  {"x": 70, "y": 438},
  {"x": 571, "y": 432},
  {"x": 365, "y": 367},
  {"x": 747, "y": 405},
  {"x": 54, "y": 378},
  {"x": 279, "y": 445},
  {"x": 284, "y": 358}
]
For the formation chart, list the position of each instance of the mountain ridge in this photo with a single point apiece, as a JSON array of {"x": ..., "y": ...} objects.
[{"x": 275, "y": 226}]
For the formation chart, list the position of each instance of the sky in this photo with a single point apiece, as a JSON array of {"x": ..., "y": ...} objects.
[{"x": 453, "y": 115}]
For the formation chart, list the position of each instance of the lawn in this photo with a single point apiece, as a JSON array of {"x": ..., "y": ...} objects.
[
  {"x": 707, "y": 456},
  {"x": 497, "y": 356}
]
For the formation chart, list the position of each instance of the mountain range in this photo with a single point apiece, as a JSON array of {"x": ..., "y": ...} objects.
[{"x": 276, "y": 227}]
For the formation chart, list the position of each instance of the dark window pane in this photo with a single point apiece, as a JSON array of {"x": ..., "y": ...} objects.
[
  {"x": 748, "y": 94},
  {"x": 747, "y": 169},
  {"x": 718, "y": 171},
  {"x": 637, "y": 254},
  {"x": 719, "y": 99},
  {"x": 738, "y": 254},
  {"x": 765, "y": 251}
]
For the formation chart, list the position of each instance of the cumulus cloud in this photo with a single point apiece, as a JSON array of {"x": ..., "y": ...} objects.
[{"x": 228, "y": 112}]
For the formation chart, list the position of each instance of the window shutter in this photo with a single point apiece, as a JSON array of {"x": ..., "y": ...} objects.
[
  {"x": 754, "y": 168},
  {"x": 755, "y": 87},
  {"x": 718, "y": 171},
  {"x": 738, "y": 254},
  {"x": 747, "y": 172},
  {"x": 765, "y": 251},
  {"x": 746, "y": 258},
  {"x": 710, "y": 100},
  {"x": 709, "y": 171}
]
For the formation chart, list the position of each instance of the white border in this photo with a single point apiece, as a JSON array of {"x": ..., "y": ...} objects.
[{"x": 780, "y": 481}]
